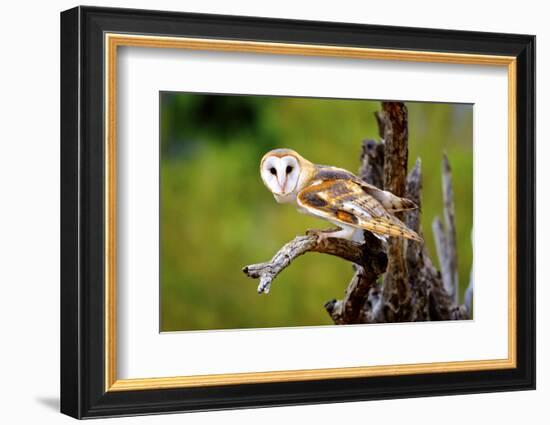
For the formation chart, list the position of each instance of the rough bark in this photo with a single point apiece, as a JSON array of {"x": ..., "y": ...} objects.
[
  {"x": 416, "y": 266},
  {"x": 372, "y": 162},
  {"x": 396, "y": 281},
  {"x": 393, "y": 125}
]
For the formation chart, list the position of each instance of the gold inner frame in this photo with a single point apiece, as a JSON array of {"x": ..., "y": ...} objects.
[{"x": 113, "y": 41}]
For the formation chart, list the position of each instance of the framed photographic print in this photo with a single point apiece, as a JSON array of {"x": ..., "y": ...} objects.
[{"x": 261, "y": 212}]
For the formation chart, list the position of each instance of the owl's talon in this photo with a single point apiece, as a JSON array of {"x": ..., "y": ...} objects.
[
  {"x": 322, "y": 232},
  {"x": 321, "y": 235},
  {"x": 335, "y": 232},
  {"x": 313, "y": 232}
]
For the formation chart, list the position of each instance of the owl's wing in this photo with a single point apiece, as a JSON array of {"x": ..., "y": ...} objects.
[
  {"x": 388, "y": 200},
  {"x": 347, "y": 202}
]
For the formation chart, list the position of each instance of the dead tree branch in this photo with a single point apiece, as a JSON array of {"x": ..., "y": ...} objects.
[
  {"x": 393, "y": 125},
  {"x": 445, "y": 236},
  {"x": 366, "y": 256}
]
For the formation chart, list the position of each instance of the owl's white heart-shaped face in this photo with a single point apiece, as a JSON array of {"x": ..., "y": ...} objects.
[{"x": 280, "y": 173}]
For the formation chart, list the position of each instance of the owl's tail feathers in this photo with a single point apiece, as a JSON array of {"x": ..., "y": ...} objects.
[
  {"x": 396, "y": 204},
  {"x": 395, "y": 226},
  {"x": 389, "y": 226},
  {"x": 411, "y": 234},
  {"x": 400, "y": 229},
  {"x": 403, "y": 204},
  {"x": 392, "y": 202}
]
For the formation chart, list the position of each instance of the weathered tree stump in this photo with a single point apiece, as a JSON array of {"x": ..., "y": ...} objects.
[{"x": 397, "y": 282}]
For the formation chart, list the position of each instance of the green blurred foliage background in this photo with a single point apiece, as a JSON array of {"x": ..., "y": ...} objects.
[{"x": 217, "y": 216}]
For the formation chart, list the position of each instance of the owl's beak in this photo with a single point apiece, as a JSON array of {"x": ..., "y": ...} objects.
[{"x": 283, "y": 186}]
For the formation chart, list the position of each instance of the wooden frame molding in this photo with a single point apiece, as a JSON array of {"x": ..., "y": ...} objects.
[{"x": 114, "y": 40}]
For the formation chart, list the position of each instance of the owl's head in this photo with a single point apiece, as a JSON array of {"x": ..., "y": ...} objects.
[{"x": 282, "y": 171}]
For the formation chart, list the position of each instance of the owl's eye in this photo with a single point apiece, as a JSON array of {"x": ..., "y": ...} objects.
[
  {"x": 288, "y": 169},
  {"x": 273, "y": 171}
]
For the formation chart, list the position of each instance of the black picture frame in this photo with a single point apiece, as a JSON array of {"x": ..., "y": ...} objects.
[{"x": 83, "y": 392}]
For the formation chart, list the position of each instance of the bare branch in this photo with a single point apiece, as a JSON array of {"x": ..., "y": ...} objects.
[
  {"x": 281, "y": 260},
  {"x": 445, "y": 236},
  {"x": 449, "y": 214},
  {"x": 440, "y": 237},
  {"x": 413, "y": 191},
  {"x": 348, "y": 250}
]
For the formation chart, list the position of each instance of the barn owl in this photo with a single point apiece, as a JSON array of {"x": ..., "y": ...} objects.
[{"x": 336, "y": 195}]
